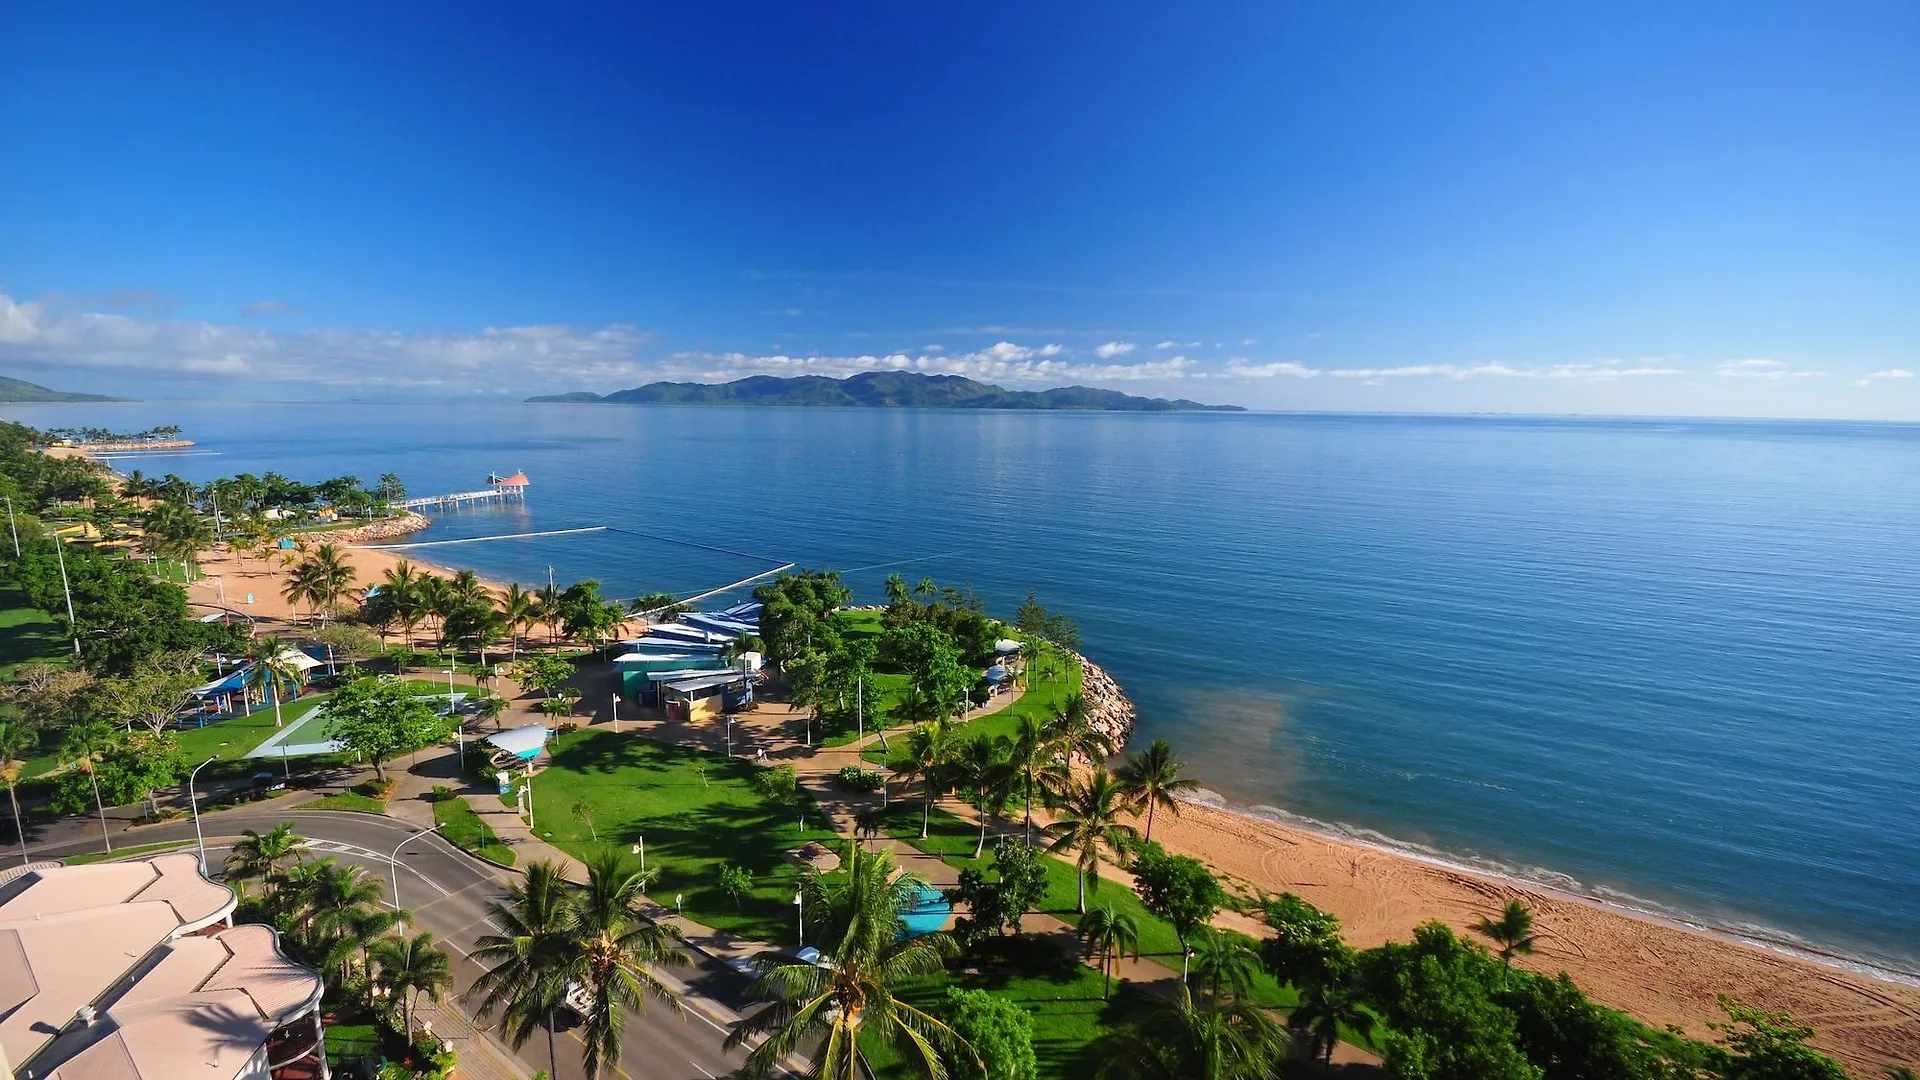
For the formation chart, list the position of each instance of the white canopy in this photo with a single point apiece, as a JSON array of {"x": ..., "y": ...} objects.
[
  {"x": 299, "y": 659},
  {"x": 523, "y": 743},
  {"x": 1006, "y": 645}
]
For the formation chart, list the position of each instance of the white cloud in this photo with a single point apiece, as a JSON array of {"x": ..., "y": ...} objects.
[
  {"x": 1113, "y": 348},
  {"x": 1890, "y": 373},
  {"x": 1595, "y": 371},
  {"x": 1177, "y": 345},
  {"x": 1759, "y": 368},
  {"x": 933, "y": 348},
  {"x": 1248, "y": 341},
  {"x": 1004, "y": 363},
  {"x": 1052, "y": 350}
]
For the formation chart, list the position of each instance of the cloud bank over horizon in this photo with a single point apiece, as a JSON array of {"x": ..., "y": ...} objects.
[{"x": 91, "y": 344}]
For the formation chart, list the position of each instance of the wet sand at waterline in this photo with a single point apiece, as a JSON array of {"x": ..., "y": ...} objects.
[{"x": 1660, "y": 972}]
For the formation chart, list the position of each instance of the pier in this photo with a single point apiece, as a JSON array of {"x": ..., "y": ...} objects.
[{"x": 499, "y": 489}]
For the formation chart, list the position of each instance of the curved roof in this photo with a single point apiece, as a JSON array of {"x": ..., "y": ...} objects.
[{"x": 518, "y": 479}]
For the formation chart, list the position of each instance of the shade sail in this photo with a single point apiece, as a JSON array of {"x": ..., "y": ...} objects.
[
  {"x": 523, "y": 743},
  {"x": 1006, "y": 645}
]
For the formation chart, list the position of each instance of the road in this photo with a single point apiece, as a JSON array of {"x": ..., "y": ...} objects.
[{"x": 447, "y": 892}]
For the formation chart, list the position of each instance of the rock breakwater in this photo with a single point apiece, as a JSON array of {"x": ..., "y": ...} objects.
[
  {"x": 1108, "y": 709},
  {"x": 383, "y": 529}
]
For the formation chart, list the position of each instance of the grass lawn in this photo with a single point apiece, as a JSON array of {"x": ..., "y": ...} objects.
[
  {"x": 28, "y": 635},
  {"x": 346, "y": 1042},
  {"x": 1066, "y": 1008},
  {"x": 1042, "y": 700},
  {"x": 465, "y": 829},
  {"x": 125, "y": 853},
  {"x": 952, "y": 839},
  {"x": 346, "y": 800},
  {"x": 624, "y": 787}
]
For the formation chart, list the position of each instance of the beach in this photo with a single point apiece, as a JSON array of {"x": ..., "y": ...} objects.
[{"x": 1660, "y": 972}]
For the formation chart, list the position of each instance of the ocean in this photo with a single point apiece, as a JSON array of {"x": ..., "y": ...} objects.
[{"x": 1670, "y": 663}]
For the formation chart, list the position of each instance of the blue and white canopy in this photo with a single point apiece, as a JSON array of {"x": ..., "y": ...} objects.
[
  {"x": 996, "y": 673},
  {"x": 523, "y": 743},
  {"x": 1005, "y": 646}
]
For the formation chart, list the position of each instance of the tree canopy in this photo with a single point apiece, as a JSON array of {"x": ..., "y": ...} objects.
[{"x": 380, "y": 719}]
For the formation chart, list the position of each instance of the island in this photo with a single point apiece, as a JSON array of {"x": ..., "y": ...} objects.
[
  {"x": 19, "y": 390},
  {"x": 881, "y": 389}
]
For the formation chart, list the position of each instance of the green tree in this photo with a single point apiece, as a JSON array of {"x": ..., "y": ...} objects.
[
  {"x": 264, "y": 856},
  {"x": 1032, "y": 750},
  {"x": 828, "y": 1007},
  {"x": 410, "y": 967},
  {"x": 153, "y": 692},
  {"x": 980, "y": 766},
  {"x": 16, "y": 739},
  {"x": 1180, "y": 1040},
  {"x": 1177, "y": 888},
  {"x": 612, "y": 951},
  {"x": 331, "y": 576},
  {"x": 1111, "y": 934},
  {"x": 1434, "y": 995},
  {"x": 1306, "y": 948},
  {"x": 999, "y": 1032},
  {"x": 525, "y": 980},
  {"x": 1325, "y": 1008},
  {"x": 1089, "y": 822},
  {"x": 936, "y": 680},
  {"x": 120, "y": 771},
  {"x": 520, "y": 609},
  {"x": 997, "y": 904},
  {"x": 736, "y": 881},
  {"x": 1769, "y": 1045},
  {"x": 270, "y": 668},
  {"x": 1225, "y": 961},
  {"x": 1152, "y": 778},
  {"x": 380, "y": 720},
  {"x": 1512, "y": 931},
  {"x": 930, "y": 751},
  {"x": 543, "y": 673}
]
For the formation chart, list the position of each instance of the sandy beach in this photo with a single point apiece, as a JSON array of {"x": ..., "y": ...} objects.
[{"x": 1659, "y": 972}]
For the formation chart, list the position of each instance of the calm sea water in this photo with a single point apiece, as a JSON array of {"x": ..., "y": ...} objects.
[{"x": 1670, "y": 662}]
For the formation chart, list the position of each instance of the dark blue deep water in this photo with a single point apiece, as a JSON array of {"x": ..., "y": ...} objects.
[{"x": 1669, "y": 662}]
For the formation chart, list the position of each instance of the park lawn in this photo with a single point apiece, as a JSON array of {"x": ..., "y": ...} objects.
[
  {"x": 28, "y": 635},
  {"x": 1067, "y": 1010},
  {"x": 951, "y": 839},
  {"x": 347, "y": 1042},
  {"x": 346, "y": 800},
  {"x": 467, "y": 830},
  {"x": 610, "y": 790},
  {"x": 236, "y": 737},
  {"x": 125, "y": 853},
  {"x": 1043, "y": 699}
]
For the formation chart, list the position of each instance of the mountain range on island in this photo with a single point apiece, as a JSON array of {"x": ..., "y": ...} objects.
[
  {"x": 882, "y": 389},
  {"x": 17, "y": 390}
]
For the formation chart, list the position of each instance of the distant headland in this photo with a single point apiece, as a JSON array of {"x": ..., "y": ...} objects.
[
  {"x": 18, "y": 390},
  {"x": 882, "y": 389}
]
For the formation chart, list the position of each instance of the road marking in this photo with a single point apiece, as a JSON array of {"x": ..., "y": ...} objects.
[{"x": 703, "y": 1072}]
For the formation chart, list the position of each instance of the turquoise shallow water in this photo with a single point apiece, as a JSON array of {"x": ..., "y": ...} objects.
[{"x": 1669, "y": 662}]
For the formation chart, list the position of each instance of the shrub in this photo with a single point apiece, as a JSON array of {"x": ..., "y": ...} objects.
[
  {"x": 855, "y": 778},
  {"x": 999, "y": 1030}
]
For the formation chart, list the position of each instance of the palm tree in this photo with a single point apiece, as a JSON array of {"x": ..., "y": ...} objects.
[
  {"x": 521, "y": 609},
  {"x": 1151, "y": 778},
  {"x": 525, "y": 977},
  {"x": 411, "y": 966},
  {"x": 896, "y": 588},
  {"x": 436, "y": 597},
  {"x": 1090, "y": 820},
  {"x": 303, "y": 587},
  {"x": 1179, "y": 1040},
  {"x": 332, "y": 577},
  {"x": 981, "y": 765},
  {"x": 1110, "y": 934},
  {"x": 1225, "y": 960},
  {"x": 553, "y": 611},
  {"x": 329, "y": 897},
  {"x": 855, "y": 990},
  {"x": 355, "y": 937},
  {"x": 930, "y": 751},
  {"x": 265, "y": 855},
  {"x": 612, "y": 951},
  {"x": 1325, "y": 1007},
  {"x": 465, "y": 589},
  {"x": 1513, "y": 931},
  {"x": 401, "y": 587},
  {"x": 1032, "y": 750},
  {"x": 272, "y": 668}
]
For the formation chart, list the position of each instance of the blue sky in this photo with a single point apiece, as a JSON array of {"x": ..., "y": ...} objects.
[{"x": 1625, "y": 209}]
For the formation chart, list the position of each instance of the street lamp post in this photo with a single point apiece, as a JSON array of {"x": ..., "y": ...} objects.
[
  {"x": 800, "y": 919},
  {"x": 729, "y": 736},
  {"x": 394, "y": 860},
  {"x": 453, "y": 714},
  {"x": 616, "y": 714},
  {"x": 15, "y": 529},
  {"x": 640, "y": 849},
  {"x": 60, "y": 552},
  {"x": 193, "y": 799}
]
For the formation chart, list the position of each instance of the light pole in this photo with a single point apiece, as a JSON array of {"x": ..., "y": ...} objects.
[
  {"x": 729, "y": 736},
  {"x": 640, "y": 849},
  {"x": 860, "y": 709},
  {"x": 616, "y": 714},
  {"x": 193, "y": 800},
  {"x": 800, "y": 919},
  {"x": 15, "y": 529},
  {"x": 60, "y": 552},
  {"x": 394, "y": 860},
  {"x": 459, "y": 737}
]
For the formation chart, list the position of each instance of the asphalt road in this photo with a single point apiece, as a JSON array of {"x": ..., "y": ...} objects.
[{"x": 447, "y": 891}]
